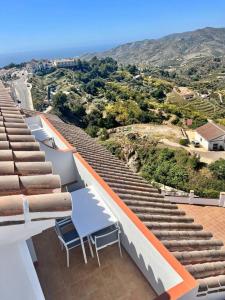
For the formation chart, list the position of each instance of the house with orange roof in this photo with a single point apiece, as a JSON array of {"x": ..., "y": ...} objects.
[{"x": 211, "y": 136}]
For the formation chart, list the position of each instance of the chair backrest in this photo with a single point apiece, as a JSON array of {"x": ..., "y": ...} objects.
[
  {"x": 59, "y": 234},
  {"x": 109, "y": 238},
  {"x": 58, "y": 231}
]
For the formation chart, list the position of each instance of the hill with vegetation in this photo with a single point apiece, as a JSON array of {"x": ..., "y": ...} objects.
[
  {"x": 100, "y": 95},
  {"x": 172, "y": 167},
  {"x": 120, "y": 95},
  {"x": 172, "y": 50}
]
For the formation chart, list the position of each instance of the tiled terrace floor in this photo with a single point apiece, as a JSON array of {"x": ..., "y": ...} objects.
[
  {"x": 118, "y": 278},
  {"x": 211, "y": 218}
]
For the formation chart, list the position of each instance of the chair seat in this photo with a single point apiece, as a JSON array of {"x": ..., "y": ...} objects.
[
  {"x": 74, "y": 244},
  {"x": 72, "y": 235}
]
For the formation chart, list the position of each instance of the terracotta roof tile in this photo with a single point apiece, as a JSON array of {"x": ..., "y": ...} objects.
[
  {"x": 24, "y": 173},
  {"x": 211, "y": 131},
  {"x": 20, "y": 138},
  {"x": 4, "y": 145},
  {"x": 25, "y": 146},
  {"x": 7, "y": 168},
  {"x": 33, "y": 168}
]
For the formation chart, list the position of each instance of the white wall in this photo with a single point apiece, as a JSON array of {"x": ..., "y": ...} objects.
[
  {"x": 21, "y": 232},
  {"x": 18, "y": 279},
  {"x": 202, "y": 141},
  {"x": 58, "y": 141},
  {"x": 32, "y": 251},
  {"x": 62, "y": 163},
  {"x": 154, "y": 266},
  {"x": 219, "y": 142},
  {"x": 209, "y": 145},
  {"x": 32, "y": 121}
]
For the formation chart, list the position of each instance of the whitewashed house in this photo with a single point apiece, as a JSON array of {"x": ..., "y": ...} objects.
[{"x": 211, "y": 136}]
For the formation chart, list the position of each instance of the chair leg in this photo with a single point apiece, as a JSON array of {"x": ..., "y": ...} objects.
[
  {"x": 67, "y": 258},
  {"x": 97, "y": 257},
  {"x": 62, "y": 246},
  {"x": 90, "y": 247},
  {"x": 120, "y": 248}
]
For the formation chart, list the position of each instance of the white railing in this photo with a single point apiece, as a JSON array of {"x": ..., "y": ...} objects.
[{"x": 193, "y": 199}]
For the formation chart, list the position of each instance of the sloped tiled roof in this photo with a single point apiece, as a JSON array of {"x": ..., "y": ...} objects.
[
  {"x": 211, "y": 131},
  {"x": 24, "y": 173},
  {"x": 195, "y": 248}
]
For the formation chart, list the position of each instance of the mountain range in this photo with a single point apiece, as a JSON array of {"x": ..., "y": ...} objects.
[{"x": 171, "y": 50}]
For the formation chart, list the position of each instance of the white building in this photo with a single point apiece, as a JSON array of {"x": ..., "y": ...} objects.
[
  {"x": 64, "y": 63},
  {"x": 211, "y": 136},
  {"x": 39, "y": 66}
]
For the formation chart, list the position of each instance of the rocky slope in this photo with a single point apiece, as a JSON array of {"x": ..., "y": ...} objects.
[{"x": 173, "y": 49}]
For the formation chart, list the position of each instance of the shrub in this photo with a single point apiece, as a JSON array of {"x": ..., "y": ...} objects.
[
  {"x": 209, "y": 193},
  {"x": 218, "y": 168},
  {"x": 103, "y": 134},
  {"x": 184, "y": 142},
  {"x": 175, "y": 121},
  {"x": 92, "y": 131},
  {"x": 114, "y": 147}
]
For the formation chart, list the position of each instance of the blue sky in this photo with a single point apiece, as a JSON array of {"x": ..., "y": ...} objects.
[{"x": 47, "y": 24}]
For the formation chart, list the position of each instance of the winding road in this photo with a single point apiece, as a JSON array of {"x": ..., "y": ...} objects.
[{"x": 23, "y": 92}]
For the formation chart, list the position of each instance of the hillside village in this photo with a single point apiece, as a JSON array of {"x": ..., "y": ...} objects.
[{"x": 132, "y": 111}]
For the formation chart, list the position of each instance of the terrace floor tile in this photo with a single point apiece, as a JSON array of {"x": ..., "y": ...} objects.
[{"x": 117, "y": 278}]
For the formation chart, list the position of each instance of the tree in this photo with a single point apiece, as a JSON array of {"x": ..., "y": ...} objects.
[
  {"x": 132, "y": 69},
  {"x": 92, "y": 131},
  {"x": 218, "y": 168},
  {"x": 183, "y": 142},
  {"x": 94, "y": 118},
  {"x": 124, "y": 112},
  {"x": 103, "y": 134},
  {"x": 59, "y": 101},
  {"x": 158, "y": 93},
  {"x": 93, "y": 86}
]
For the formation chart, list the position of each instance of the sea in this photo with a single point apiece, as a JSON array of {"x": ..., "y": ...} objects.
[{"x": 25, "y": 56}]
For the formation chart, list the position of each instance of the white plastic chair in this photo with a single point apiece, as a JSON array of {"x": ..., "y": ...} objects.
[
  {"x": 106, "y": 237},
  {"x": 69, "y": 239}
]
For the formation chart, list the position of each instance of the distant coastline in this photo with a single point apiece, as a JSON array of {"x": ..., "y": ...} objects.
[{"x": 20, "y": 57}]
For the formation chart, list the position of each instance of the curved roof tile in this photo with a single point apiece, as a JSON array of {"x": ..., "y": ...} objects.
[{"x": 23, "y": 169}]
